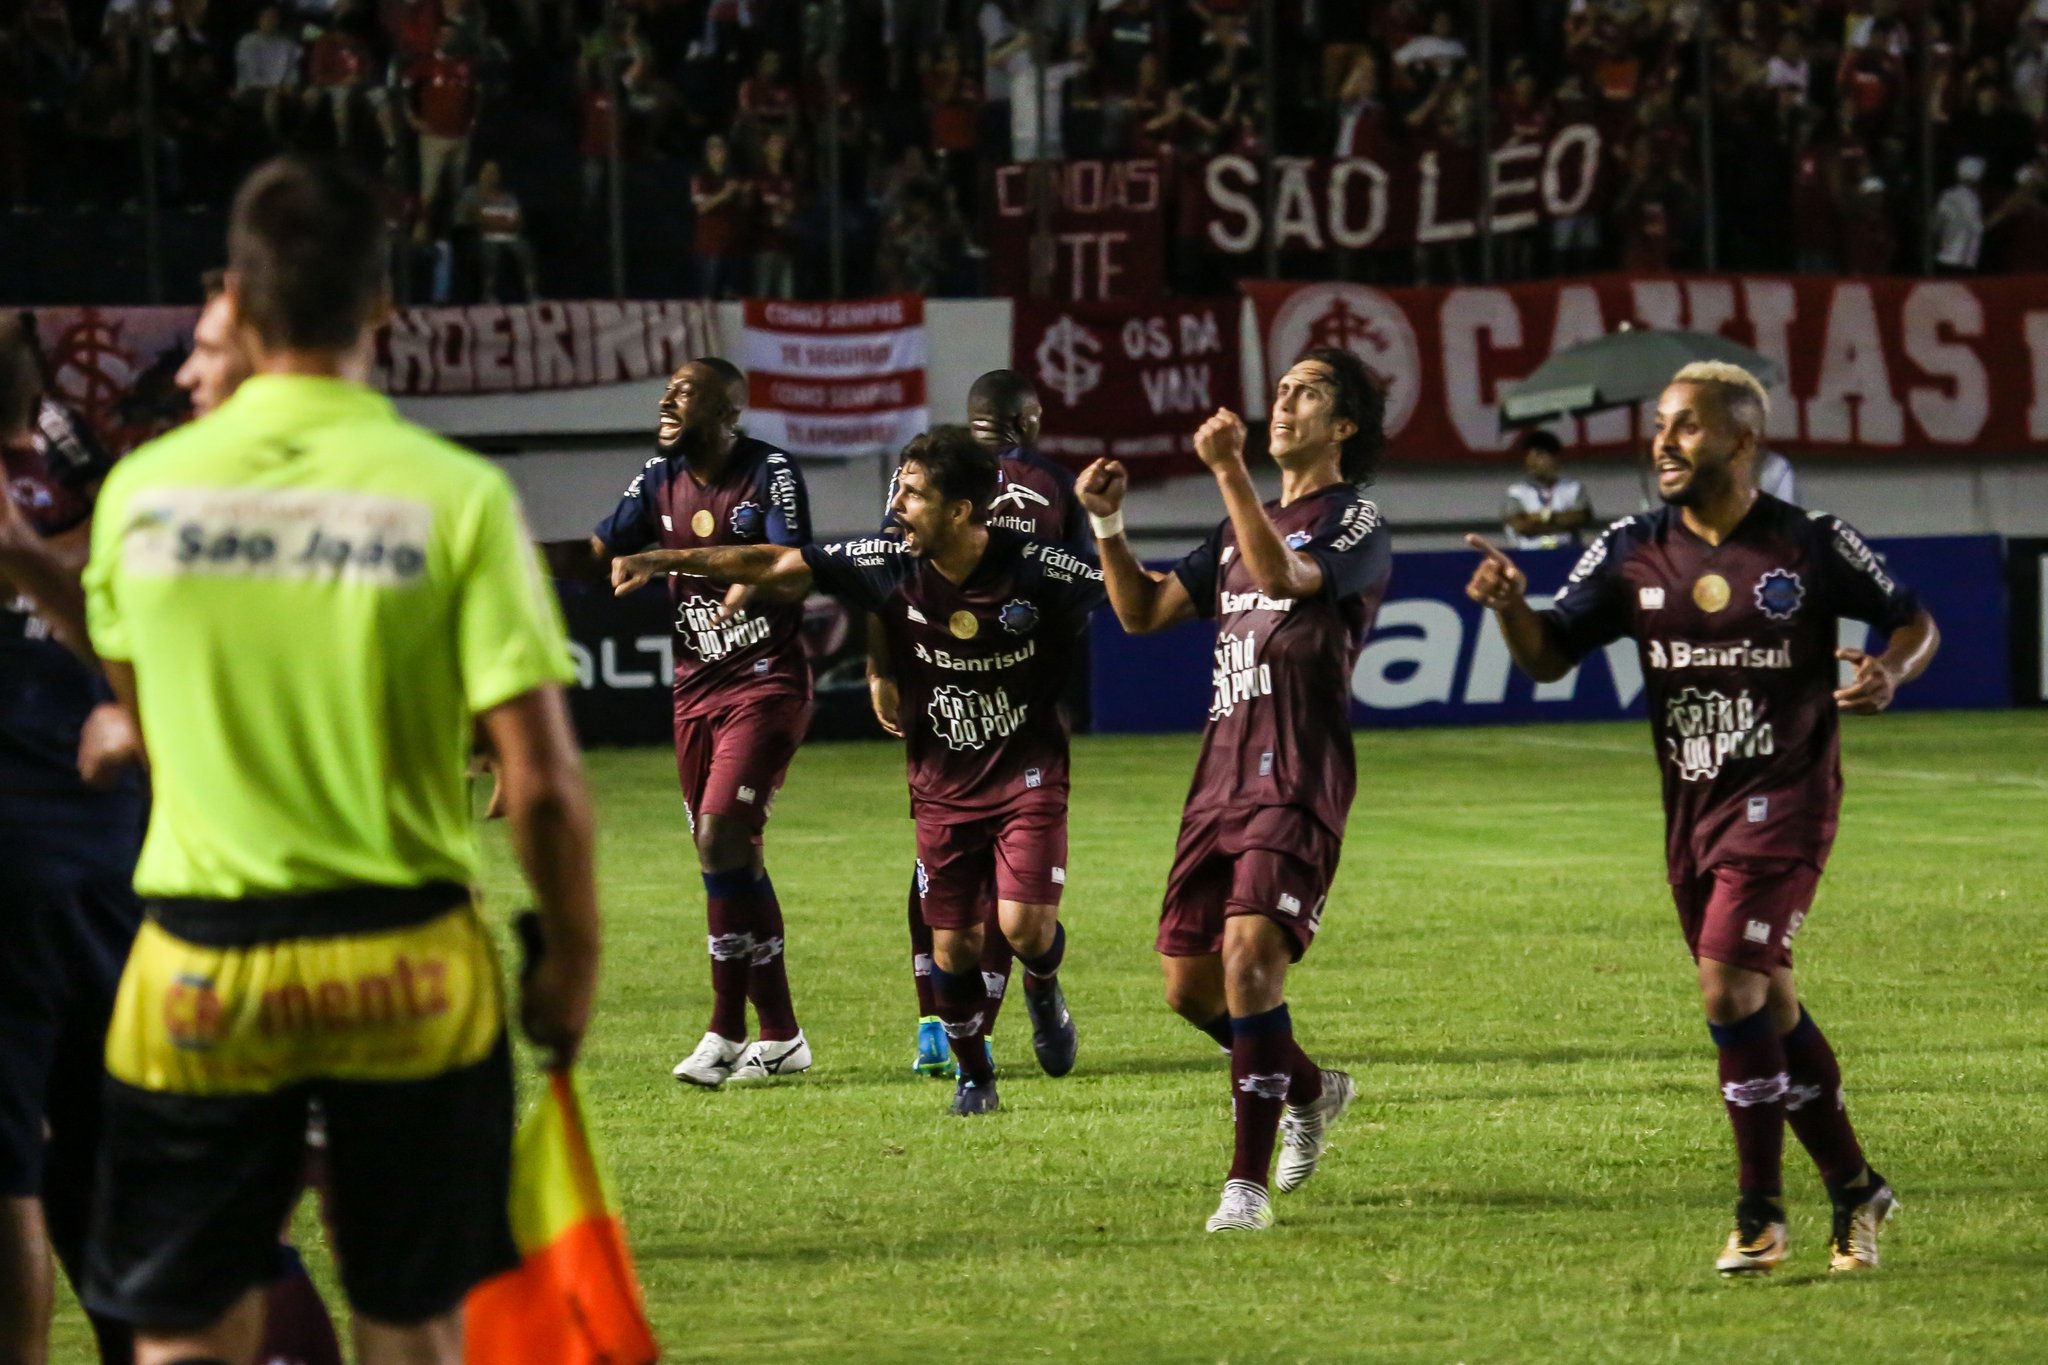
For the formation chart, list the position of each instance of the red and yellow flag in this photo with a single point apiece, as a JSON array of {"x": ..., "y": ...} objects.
[{"x": 574, "y": 1300}]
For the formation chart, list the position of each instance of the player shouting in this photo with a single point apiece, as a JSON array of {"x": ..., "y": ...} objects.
[
  {"x": 982, "y": 627},
  {"x": 1733, "y": 597},
  {"x": 1293, "y": 585},
  {"x": 1035, "y": 498},
  {"x": 742, "y": 699}
]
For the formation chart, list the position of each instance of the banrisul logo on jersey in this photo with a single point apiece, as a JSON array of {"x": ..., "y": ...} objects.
[
  {"x": 1240, "y": 676},
  {"x": 968, "y": 719},
  {"x": 1703, "y": 730}
]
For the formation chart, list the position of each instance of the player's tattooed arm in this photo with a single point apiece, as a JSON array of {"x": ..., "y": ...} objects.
[
  {"x": 1500, "y": 586},
  {"x": 779, "y": 568},
  {"x": 1879, "y": 676},
  {"x": 1143, "y": 601},
  {"x": 1279, "y": 572}
]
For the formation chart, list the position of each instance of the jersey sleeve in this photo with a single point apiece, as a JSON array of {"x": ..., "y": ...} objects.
[
  {"x": 1355, "y": 553},
  {"x": 1591, "y": 609},
  {"x": 71, "y": 451},
  {"x": 632, "y": 524},
  {"x": 864, "y": 573},
  {"x": 1198, "y": 569},
  {"x": 1854, "y": 582},
  {"x": 1074, "y": 532},
  {"x": 1073, "y": 585},
  {"x": 787, "y": 500},
  {"x": 509, "y": 636}
]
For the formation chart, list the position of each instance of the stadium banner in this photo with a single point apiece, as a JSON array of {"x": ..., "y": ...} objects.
[
  {"x": 1128, "y": 381},
  {"x": 1107, "y": 224},
  {"x": 836, "y": 380},
  {"x": 1434, "y": 658},
  {"x": 2026, "y": 562},
  {"x": 1358, "y": 203},
  {"x": 1874, "y": 367},
  {"x": 118, "y": 366},
  {"x": 531, "y": 347}
]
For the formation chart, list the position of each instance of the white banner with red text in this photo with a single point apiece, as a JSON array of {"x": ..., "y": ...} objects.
[
  {"x": 836, "y": 380},
  {"x": 1873, "y": 366},
  {"x": 117, "y": 366}
]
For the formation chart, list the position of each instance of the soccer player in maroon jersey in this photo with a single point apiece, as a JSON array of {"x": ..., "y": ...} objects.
[
  {"x": 1035, "y": 498},
  {"x": 1293, "y": 585},
  {"x": 742, "y": 698},
  {"x": 983, "y": 628},
  {"x": 1733, "y": 597}
]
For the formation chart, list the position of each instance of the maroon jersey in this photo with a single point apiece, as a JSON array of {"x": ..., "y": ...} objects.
[
  {"x": 1034, "y": 497},
  {"x": 982, "y": 665},
  {"x": 1738, "y": 649},
  {"x": 757, "y": 499},
  {"x": 1279, "y": 731}
]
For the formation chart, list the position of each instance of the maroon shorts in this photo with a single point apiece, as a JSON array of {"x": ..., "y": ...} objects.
[
  {"x": 731, "y": 762},
  {"x": 1021, "y": 855},
  {"x": 1745, "y": 913},
  {"x": 1276, "y": 861}
]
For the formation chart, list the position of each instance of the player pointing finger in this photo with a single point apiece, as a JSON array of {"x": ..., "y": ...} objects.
[{"x": 1496, "y": 584}]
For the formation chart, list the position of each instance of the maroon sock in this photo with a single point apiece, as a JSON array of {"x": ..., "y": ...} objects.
[
  {"x": 921, "y": 956},
  {"x": 1753, "y": 1085},
  {"x": 1304, "y": 1077},
  {"x": 768, "y": 973},
  {"x": 997, "y": 958},
  {"x": 296, "y": 1328},
  {"x": 1259, "y": 1048},
  {"x": 963, "y": 1008},
  {"x": 1814, "y": 1107},
  {"x": 727, "y": 897}
]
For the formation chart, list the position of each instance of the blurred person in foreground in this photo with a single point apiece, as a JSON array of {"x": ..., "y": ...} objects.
[{"x": 307, "y": 603}]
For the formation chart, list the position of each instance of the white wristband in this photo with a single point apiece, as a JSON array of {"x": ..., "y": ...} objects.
[{"x": 1109, "y": 527}]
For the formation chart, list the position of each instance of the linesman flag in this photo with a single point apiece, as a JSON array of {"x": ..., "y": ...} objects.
[{"x": 575, "y": 1299}]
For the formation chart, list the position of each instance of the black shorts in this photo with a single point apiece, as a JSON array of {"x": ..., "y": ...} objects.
[
  {"x": 66, "y": 920},
  {"x": 200, "y": 1165}
]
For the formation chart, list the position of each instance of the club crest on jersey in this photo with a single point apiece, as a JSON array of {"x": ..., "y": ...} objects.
[
  {"x": 1779, "y": 593},
  {"x": 702, "y": 522},
  {"x": 1297, "y": 539},
  {"x": 747, "y": 519},
  {"x": 1710, "y": 593},
  {"x": 1018, "y": 617}
]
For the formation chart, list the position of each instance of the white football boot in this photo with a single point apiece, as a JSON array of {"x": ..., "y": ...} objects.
[
  {"x": 1305, "y": 1131},
  {"x": 764, "y": 1060},
  {"x": 712, "y": 1063},
  {"x": 1245, "y": 1208}
]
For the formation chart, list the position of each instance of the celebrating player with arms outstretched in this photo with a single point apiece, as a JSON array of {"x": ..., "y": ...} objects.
[
  {"x": 742, "y": 699},
  {"x": 1293, "y": 585},
  {"x": 1733, "y": 598},
  {"x": 1035, "y": 498},
  {"x": 982, "y": 626}
]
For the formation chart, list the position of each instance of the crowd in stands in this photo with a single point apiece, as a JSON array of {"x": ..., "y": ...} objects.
[{"x": 494, "y": 125}]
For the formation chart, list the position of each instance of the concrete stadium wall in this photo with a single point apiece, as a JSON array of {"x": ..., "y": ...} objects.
[{"x": 571, "y": 453}]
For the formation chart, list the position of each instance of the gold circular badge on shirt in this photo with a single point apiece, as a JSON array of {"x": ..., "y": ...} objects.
[
  {"x": 703, "y": 523},
  {"x": 1710, "y": 593},
  {"x": 963, "y": 625}
]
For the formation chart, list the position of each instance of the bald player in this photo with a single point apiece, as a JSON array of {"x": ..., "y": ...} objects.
[
  {"x": 742, "y": 697},
  {"x": 1035, "y": 498},
  {"x": 1732, "y": 598}
]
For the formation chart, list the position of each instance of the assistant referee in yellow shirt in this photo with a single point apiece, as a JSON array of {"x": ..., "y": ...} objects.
[{"x": 310, "y": 603}]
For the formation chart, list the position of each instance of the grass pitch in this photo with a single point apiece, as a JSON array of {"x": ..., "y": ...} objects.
[{"x": 1537, "y": 1168}]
